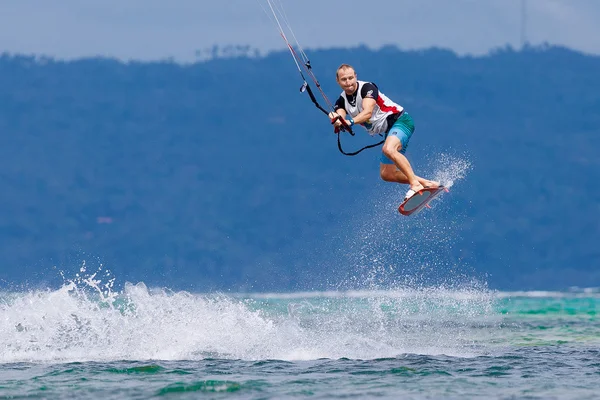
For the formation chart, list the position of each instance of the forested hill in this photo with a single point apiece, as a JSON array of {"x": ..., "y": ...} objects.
[{"x": 221, "y": 175}]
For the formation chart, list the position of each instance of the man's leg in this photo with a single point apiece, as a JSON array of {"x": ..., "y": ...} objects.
[
  {"x": 391, "y": 149},
  {"x": 391, "y": 173},
  {"x": 394, "y": 165}
]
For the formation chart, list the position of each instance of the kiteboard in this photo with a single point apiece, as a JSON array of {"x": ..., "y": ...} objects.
[{"x": 420, "y": 200}]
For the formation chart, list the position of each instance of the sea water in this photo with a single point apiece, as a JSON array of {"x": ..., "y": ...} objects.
[
  {"x": 404, "y": 321},
  {"x": 86, "y": 341}
]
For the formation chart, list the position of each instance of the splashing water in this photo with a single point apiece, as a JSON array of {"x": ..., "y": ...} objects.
[
  {"x": 388, "y": 312},
  {"x": 448, "y": 169},
  {"x": 383, "y": 250},
  {"x": 86, "y": 320}
]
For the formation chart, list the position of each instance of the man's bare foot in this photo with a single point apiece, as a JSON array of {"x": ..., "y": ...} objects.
[
  {"x": 430, "y": 184},
  {"x": 416, "y": 187}
]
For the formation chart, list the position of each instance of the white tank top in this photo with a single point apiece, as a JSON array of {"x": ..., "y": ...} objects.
[{"x": 378, "y": 122}]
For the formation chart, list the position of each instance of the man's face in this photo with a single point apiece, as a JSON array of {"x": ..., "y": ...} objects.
[{"x": 346, "y": 78}]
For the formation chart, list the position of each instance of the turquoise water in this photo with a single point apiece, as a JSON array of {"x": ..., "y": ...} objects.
[{"x": 86, "y": 341}]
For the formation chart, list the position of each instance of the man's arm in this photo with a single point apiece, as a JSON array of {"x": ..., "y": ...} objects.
[
  {"x": 340, "y": 110},
  {"x": 369, "y": 93},
  {"x": 365, "y": 115}
]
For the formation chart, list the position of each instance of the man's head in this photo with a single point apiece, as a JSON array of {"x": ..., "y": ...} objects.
[{"x": 346, "y": 78}]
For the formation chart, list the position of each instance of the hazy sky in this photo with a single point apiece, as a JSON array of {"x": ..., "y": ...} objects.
[{"x": 155, "y": 29}]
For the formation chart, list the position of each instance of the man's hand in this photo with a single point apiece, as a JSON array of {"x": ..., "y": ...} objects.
[{"x": 335, "y": 119}]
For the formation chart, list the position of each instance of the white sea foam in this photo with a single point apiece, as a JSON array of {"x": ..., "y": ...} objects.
[{"x": 86, "y": 320}]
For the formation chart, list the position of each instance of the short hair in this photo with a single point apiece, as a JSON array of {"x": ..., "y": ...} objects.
[{"x": 341, "y": 67}]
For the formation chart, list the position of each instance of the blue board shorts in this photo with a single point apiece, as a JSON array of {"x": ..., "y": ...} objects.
[{"x": 403, "y": 128}]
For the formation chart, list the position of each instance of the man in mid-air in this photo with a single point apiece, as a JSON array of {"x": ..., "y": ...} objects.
[{"x": 364, "y": 104}]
